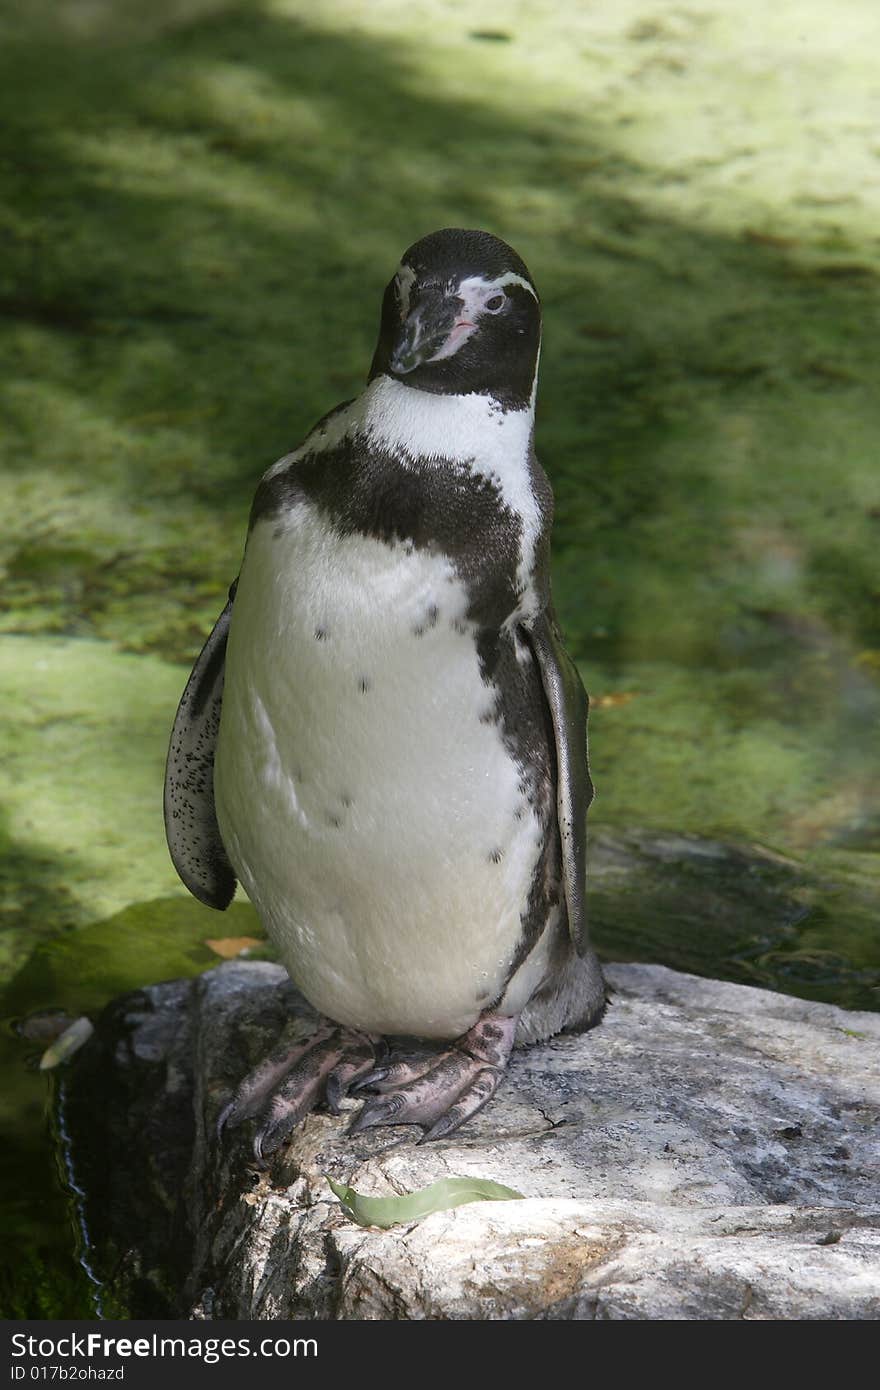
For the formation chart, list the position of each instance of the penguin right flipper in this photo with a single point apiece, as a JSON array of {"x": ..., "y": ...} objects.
[
  {"x": 569, "y": 707},
  {"x": 191, "y": 825}
]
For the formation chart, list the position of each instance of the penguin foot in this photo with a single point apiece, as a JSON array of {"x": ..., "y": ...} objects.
[
  {"x": 441, "y": 1092},
  {"x": 293, "y": 1079}
]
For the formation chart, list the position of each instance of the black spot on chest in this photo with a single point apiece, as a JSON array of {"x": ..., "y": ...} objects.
[
  {"x": 442, "y": 507},
  {"x": 438, "y": 505}
]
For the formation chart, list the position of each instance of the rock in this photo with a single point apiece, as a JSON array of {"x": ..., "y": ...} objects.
[{"x": 709, "y": 1152}]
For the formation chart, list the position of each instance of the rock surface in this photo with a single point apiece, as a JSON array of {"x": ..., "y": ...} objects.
[{"x": 710, "y": 1152}]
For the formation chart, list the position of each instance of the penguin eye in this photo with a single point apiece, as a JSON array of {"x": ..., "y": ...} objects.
[{"x": 495, "y": 303}]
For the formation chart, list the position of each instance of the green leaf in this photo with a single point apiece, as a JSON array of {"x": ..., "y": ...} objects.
[{"x": 413, "y": 1206}]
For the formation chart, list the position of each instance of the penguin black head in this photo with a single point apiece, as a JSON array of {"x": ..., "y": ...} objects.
[{"x": 461, "y": 316}]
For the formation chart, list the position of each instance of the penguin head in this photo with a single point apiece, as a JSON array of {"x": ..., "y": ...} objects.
[{"x": 461, "y": 316}]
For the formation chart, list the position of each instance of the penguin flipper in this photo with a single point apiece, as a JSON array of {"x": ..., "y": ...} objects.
[
  {"x": 569, "y": 707},
  {"x": 191, "y": 827}
]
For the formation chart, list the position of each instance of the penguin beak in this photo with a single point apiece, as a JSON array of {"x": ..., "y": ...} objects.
[{"x": 425, "y": 331}]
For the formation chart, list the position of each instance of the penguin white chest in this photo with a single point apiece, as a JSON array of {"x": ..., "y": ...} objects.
[{"x": 365, "y": 795}]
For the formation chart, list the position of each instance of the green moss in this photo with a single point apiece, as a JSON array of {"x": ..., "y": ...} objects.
[
  {"x": 777, "y": 755},
  {"x": 81, "y": 772},
  {"x": 193, "y": 279},
  {"x": 80, "y": 971}
]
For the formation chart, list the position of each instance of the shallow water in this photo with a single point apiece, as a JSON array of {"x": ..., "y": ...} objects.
[{"x": 200, "y": 208}]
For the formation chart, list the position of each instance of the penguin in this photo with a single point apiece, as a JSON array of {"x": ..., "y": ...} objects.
[{"x": 384, "y": 740}]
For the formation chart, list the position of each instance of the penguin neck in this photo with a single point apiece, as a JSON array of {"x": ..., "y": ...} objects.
[{"x": 420, "y": 426}]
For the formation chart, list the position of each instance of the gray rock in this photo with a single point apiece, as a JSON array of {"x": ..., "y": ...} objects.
[{"x": 710, "y": 1152}]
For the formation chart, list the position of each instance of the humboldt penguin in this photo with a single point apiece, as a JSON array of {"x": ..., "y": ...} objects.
[{"x": 384, "y": 739}]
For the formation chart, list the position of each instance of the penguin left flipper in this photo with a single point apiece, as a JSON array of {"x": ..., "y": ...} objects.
[
  {"x": 569, "y": 707},
  {"x": 190, "y": 818}
]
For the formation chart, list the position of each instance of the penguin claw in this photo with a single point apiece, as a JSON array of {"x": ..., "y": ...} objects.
[
  {"x": 442, "y": 1100},
  {"x": 371, "y": 1081},
  {"x": 346, "y": 1075},
  {"x": 293, "y": 1080},
  {"x": 334, "y": 1093},
  {"x": 437, "y": 1092},
  {"x": 256, "y": 1089},
  {"x": 478, "y": 1094},
  {"x": 442, "y": 1092},
  {"x": 396, "y": 1074},
  {"x": 372, "y": 1112},
  {"x": 293, "y": 1100},
  {"x": 223, "y": 1118}
]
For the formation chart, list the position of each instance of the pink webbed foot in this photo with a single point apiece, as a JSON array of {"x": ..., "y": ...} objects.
[
  {"x": 440, "y": 1092},
  {"x": 294, "y": 1079}
]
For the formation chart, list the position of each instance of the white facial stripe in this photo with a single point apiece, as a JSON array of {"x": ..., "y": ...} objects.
[
  {"x": 490, "y": 287},
  {"x": 406, "y": 278}
]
